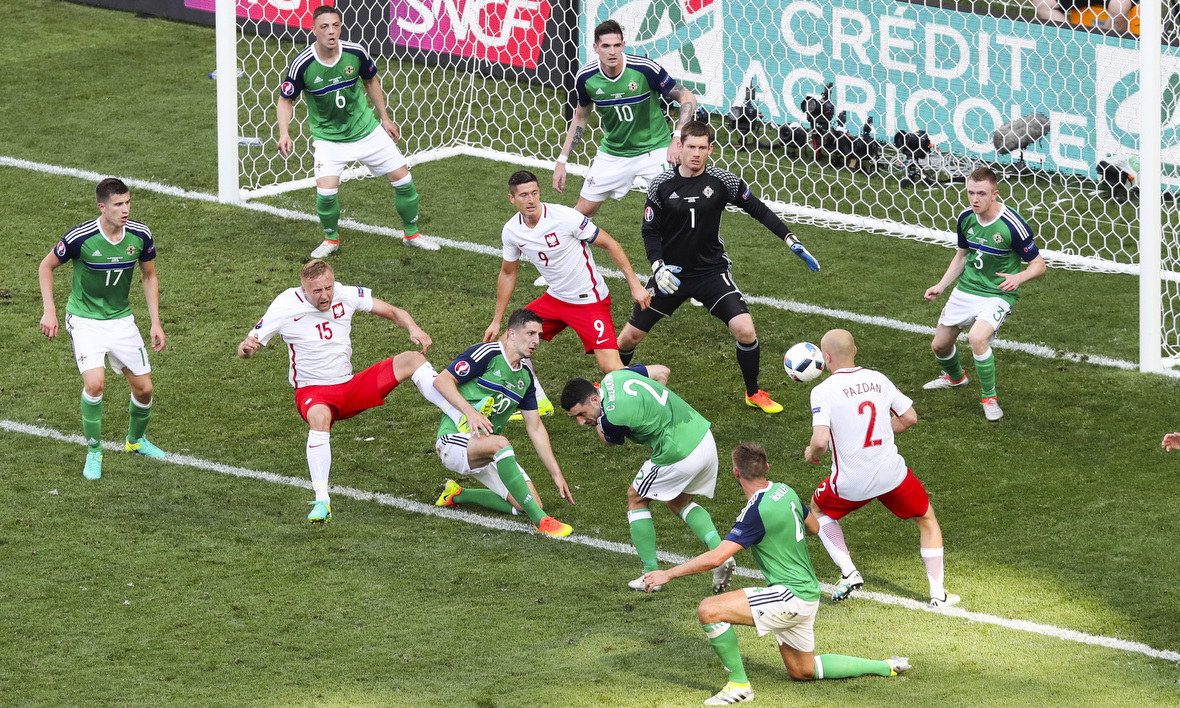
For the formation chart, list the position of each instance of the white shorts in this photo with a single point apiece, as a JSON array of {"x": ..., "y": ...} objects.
[
  {"x": 963, "y": 309},
  {"x": 777, "y": 611},
  {"x": 378, "y": 152},
  {"x": 695, "y": 474},
  {"x": 612, "y": 176},
  {"x": 94, "y": 340},
  {"x": 452, "y": 450}
]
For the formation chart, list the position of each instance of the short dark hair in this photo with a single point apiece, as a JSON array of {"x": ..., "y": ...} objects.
[
  {"x": 324, "y": 10},
  {"x": 750, "y": 461},
  {"x": 983, "y": 174},
  {"x": 521, "y": 177},
  {"x": 519, "y": 318},
  {"x": 608, "y": 27},
  {"x": 576, "y": 392},
  {"x": 108, "y": 188},
  {"x": 695, "y": 128}
]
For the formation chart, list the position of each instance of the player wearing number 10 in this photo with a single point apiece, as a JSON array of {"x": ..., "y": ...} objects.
[
  {"x": 337, "y": 76},
  {"x": 98, "y": 314}
]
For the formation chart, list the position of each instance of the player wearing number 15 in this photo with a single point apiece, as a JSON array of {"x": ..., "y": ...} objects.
[
  {"x": 994, "y": 242},
  {"x": 337, "y": 77},
  {"x": 98, "y": 314}
]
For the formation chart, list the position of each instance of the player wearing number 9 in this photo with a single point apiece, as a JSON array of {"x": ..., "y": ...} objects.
[{"x": 858, "y": 411}]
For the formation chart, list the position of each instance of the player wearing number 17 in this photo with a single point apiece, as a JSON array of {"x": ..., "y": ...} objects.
[
  {"x": 339, "y": 80},
  {"x": 994, "y": 242}
]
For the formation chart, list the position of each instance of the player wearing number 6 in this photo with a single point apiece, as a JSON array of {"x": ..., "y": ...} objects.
[
  {"x": 858, "y": 411},
  {"x": 98, "y": 314},
  {"x": 993, "y": 243},
  {"x": 339, "y": 80},
  {"x": 633, "y": 404}
]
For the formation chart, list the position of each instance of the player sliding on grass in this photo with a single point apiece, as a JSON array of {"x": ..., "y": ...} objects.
[
  {"x": 337, "y": 76},
  {"x": 773, "y": 526},
  {"x": 315, "y": 321},
  {"x": 98, "y": 314},
  {"x": 683, "y": 463},
  {"x": 485, "y": 385},
  {"x": 859, "y": 410}
]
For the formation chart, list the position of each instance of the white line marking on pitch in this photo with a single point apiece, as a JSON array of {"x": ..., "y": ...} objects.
[
  {"x": 507, "y": 524},
  {"x": 1038, "y": 350}
]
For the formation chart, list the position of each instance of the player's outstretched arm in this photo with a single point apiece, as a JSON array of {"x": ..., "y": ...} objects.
[
  {"x": 1171, "y": 442},
  {"x": 638, "y": 293},
  {"x": 402, "y": 319},
  {"x": 687, "y": 103},
  {"x": 704, "y": 562},
  {"x": 284, "y": 111},
  {"x": 1035, "y": 269},
  {"x": 953, "y": 271},
  {"x": 820, "y": 435},
  {"x": 49, "y": 309},
  {"x": 505, "y": 285},
  {"x": 539, "y": 436},
  {"x": 573, "y": 136},
  {"x": 376, "y": 96},
  {"x": 151, "y": 293}
]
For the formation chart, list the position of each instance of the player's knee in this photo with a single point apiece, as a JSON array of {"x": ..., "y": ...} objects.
[
  {"x": 803, "y": 672},
  {"x": 941, "y": 348},
  {"x": 143, "y": 393},
  {"x": 709, "y": 611},
  {"x": 94, "y": 390}
]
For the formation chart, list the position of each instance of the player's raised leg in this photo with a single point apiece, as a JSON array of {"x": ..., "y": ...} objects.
[{"x": 93, "y": 381}]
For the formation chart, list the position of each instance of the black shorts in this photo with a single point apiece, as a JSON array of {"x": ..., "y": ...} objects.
[{"x": 716, "y": 291}]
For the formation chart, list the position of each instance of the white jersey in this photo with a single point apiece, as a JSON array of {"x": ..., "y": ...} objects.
[
  {"x": 559, "y": 245},
  {"x": 319, "y": 343},
  {"x": 856, "y": 405}
]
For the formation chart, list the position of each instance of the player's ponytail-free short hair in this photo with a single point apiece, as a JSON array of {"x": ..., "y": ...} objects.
[
  {"x": 108, "y": 188},
  {"x": 314, "y": 269},
  {"x": 519, "y": 318},
  {"x": 983, "y": 174},
  {"x": 750, "y": 461},
  {"x": 608, "y": 27},
  {"x": 576, "y": 392},
  {"x": 695, "y": 128},
  {"x": 324, "y": 10},
  {"x": 520, "y": 177}
]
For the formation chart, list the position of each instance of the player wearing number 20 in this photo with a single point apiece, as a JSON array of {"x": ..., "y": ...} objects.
[{"x": 994, "y": 242}]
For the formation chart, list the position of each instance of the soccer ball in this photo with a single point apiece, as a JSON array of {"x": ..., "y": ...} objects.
[{"x": 804, "y": 362}]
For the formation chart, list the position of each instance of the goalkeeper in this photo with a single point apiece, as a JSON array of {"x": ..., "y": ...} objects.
[
  {"x": 338, "y": 77},
  {"x": 681, "y": 233}
]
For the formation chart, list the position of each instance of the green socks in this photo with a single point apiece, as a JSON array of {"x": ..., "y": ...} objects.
[
  {"x": 327, "y": 205},
  {"x": 92, "y": 421},
  {"x": 985, "y": 368},
  {"x": 405, "y": 200},
  {"x": 485, "y": 498},
  {"x": 836, "y": 666},
  {"x": 512, "y": 478},
  {"x": 702, "y": 525},
  {"x": 724, "y": 641},
  {"x": 951, "y": 365},
  {"x": 643, "y": 535},
  {"x": 140, "y": 415}
]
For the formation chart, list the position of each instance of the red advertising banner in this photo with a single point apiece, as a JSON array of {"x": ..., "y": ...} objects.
[
  {"x": 504, "y": 31},
  {"x": 292, "y": 13}
]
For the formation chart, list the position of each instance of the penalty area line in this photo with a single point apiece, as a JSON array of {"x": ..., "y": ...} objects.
[{"x": 507, "y": 524}]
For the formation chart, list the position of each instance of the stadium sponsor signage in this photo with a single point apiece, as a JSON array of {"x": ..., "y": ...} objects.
[
  {"x": 504, "y": 31},
  {"x": 292, "y": 13}
]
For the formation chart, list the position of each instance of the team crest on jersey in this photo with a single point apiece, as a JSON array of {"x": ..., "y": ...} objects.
[
  {"x": 707, "y": 191},
  {"x": 551, "y": 240},
  {"x": 348, "y": 70},
  {"x": 131, "y": 250},
  {"x": 634, "y": 86},
  {"x": 998, "y": 238},
  {"x": 60, "y": 248},
  {"x": 462, "y": 368},
  {"x": 648, "y": 214},
  {"x": 287, "y": 89},
  {"x": 338, "y": 310}
]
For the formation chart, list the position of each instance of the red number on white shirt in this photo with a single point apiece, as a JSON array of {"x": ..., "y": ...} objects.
[
  {"x": 544, "y": 257},
  {"x": 324, "y": 330},
  {"x": 869, "y": 441}
]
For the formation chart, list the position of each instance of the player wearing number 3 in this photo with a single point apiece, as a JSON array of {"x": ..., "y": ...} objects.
[
  {"x": 858, "y": 411},
  {"x": 993, "y": 242}
]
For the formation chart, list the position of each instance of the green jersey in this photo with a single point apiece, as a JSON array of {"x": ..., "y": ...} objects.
[
  {"x": 337, "y": 109},
  {"x": 103, "y": 270},
  {"x": 639, "y": 409},
  {"x": 628, "y": 105},
  {"x": 771, "y": 526},
  {"x": 491, "y": 386},
  {"x": 1003, "y": 246}
]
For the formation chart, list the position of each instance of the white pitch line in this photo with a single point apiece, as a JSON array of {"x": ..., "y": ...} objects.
[
  {"x": 1038, "y": 350},
  {"x": 507, "y": 524}
]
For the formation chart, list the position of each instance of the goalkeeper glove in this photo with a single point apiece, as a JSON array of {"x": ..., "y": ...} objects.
[
  {"x": 798, "y": 249},
  {"x": 665, "y": 275}
]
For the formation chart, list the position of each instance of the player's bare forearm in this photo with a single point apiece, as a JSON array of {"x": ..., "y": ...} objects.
[
  {"x": 376, "y": 96},
  {"x": 284, "y": 111},
  {"x": 704, "y": 562},
  {"x": 505, "y": 286},
  {"x": 577, "y": 129},
  {"x": 151, "y": 293},
  {"x": 539, "y": 437},
  {"x": 818, "y": 447},
  {"x": 903, "y": 422},
  {"x": 953, "y": 271},
  {"x": 249, "y": 346},
  {"x": 687, "y": 102},
  {"x": 49, "y": 309}
]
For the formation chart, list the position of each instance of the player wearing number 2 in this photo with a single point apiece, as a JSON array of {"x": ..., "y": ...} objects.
[
  {"x": 336, "y": 77},
  {"x": 993, "y": 243},
  {"x": 858, "y": 411},
  {"x": 98, "y": 314}
]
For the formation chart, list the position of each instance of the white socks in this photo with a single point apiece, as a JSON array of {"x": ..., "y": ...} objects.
[
  {"x": 319, "y": 463},
  {"x": 833, "y": 539},
  {"x": 932, "y": 557}
]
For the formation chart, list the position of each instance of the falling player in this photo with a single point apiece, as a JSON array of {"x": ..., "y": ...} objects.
[
  {"x": 993, "y": 242},
  {"x": 315, "y": 321},
  {"x": 633, "y": 404},
  {"x": 773, "y": 526},
  {"x": 98, "y": 314},
  {"x": 682, "y": 235},
  {"x": 485, "y": 385},
  {"x": 343, "y": 127},
  {"x": 859, "y": 411}
]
